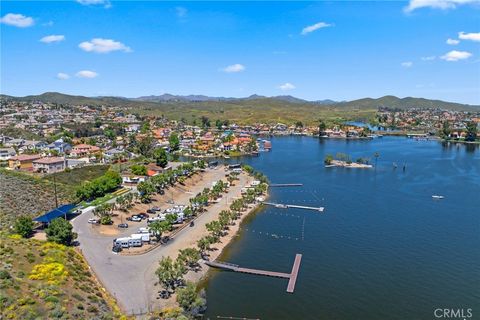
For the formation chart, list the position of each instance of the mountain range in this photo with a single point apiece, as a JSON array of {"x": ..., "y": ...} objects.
[{"x": 170, "y": 99}]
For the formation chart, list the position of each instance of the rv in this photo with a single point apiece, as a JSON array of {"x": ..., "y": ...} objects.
[
  {"x": 123, "y": 242},
  {"x": 144, "y": 237}
]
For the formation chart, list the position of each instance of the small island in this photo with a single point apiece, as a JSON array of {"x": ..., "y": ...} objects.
[{"x": 344, "y": 160}]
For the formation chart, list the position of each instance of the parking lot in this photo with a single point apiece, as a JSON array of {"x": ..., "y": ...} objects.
[{"x": 131, "y": 278}]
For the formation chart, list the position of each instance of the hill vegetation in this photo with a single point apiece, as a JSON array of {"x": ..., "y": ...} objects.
[
  {"x": 43, "y": 280},
  {"x": 253, "y": 109}
]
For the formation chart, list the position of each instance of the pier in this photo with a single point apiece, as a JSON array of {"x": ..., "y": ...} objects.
[
  {"x": 292, "y": 277},
  {"x": 273, "y": 185},
  {"x": 286, "y": 206}
]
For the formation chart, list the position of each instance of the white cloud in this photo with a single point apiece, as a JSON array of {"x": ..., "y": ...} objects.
[
  {"x": 315, "y": 27},
  {"x": 407, "y": 64},
  {"x": 452, "y": 42},
  {"x": 48, "y": 24},
  {"x": 234, "y": 68},
  {"x": 286, "y": 86},
  {"x": 53, "y": 38},
  {"x": 86, "y": 74},
  {"x": 17, "y": 20},
  {"x": 456, "y": 55},
  {"x": 428, "y": 58},
  {"x": 100, "y": 45},
  {"x": 62, "y": 76},
  {"x": 469, "y": 36},
  {"x": 105, "y": 3},
  {"x": 436, "y": 4},
  {"x": 181, "y": 12}
]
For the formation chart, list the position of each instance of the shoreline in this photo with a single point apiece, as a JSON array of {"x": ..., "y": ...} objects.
[{"x": 201, "y": 277}]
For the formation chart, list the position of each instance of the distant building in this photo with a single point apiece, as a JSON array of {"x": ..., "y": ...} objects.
[
  {"x": 23, "y": 162},
  {"x": 6, "y": 153},
  {"x": 49, "y": 164},
  {"x": 82, "y": 150}
]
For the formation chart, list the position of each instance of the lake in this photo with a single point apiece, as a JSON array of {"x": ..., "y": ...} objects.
[{"x": 383, "y": 248}]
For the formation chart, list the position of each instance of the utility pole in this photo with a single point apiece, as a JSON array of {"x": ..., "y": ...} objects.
[{"x": 55, "y": 189}]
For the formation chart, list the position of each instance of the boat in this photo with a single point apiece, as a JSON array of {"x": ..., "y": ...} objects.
[{"x": 437, "y": 197}]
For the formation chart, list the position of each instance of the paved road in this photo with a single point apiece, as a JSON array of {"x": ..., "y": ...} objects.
[{"x": 130, "y": 279}]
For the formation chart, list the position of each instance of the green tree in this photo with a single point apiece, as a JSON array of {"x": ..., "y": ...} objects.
[
  {"x": 139, "y": 169},
  {"x": 146, "y": 189},
  {"x": 328, "y": 159},
  {"x": 189, "y": 257},
  {"x": 321, "y": 127},
  {"x": 446, "y": 131},
  {"x": 24, "y": 226},
  {"x": 471, "y": 134},
  {"x": 174, "y": 142},
  {"x": 186, "y": 296},
  {"x": 161, "y": 157},
  {"x": 60, "y": 231}
]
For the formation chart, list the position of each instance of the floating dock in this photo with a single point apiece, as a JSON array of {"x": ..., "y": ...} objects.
[
  {"x": 273, "y": 185},
  {"x": 286, "y": 206},
  {"x": 292, "y": 277}
]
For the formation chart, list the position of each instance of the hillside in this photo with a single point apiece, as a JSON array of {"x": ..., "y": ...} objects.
[
  {"x": 252, "y": 109},
  {"x": 43, "y": 280}
]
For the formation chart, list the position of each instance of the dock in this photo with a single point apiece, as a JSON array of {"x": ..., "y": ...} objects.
[
  {"x": 273, "y": 185},
  {"x": 292, "y": 277},
  {"x": 286, "y": 206}
]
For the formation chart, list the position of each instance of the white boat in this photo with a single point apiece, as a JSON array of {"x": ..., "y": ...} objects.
[{"x": 437, "y": 197}]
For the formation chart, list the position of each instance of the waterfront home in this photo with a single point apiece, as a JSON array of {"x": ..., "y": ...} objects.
[
  {"x": 23, "y": 162},
  {"x": 49, "y": 164}
]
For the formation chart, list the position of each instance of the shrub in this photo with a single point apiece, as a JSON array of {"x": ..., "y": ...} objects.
[
  {"x": 4, "y": 274},
  {"x": 52, "y": 272}
]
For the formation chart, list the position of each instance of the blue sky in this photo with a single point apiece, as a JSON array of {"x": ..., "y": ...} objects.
[{"x": 312, "y": 50}]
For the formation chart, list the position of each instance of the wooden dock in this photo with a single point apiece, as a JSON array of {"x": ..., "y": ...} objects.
[
  {"x": 273, "y": 185},
  {"x": 286, "y": 206},
  {"x": 294, "y": 274},
  {"x": 292, "y": 277}
]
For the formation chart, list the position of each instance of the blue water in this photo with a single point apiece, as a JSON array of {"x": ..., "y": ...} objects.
[{"x": 383, "y": 248}]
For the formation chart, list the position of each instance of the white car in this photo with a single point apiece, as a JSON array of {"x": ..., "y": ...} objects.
[{"x": 92, "y": 221}]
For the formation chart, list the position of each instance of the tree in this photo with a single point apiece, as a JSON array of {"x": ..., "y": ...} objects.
[
  {"x": 165, "y": 272},
  {"x": 189, "y": 257},
  {"x": 215, "y": 228},
  {"x": 139, "y": 169},
  {"x": 471, "y": 131},
  {"x": 446, "y": 131},
  {"x": 187, "y": 296},
  {"x": 146, "y": 189},
  {"x": 205, "y": 121},
  {"x": 174, "y": 142},
  {"x": 204, "y": 244},
  {"x": 24, "y": 226},
  {"x": 60, "y": 231},
  {"x": 299, "y": 124},
  {"x": 321, "y": 127},
  {"x": 161, "y": 157},
  {"x": 328, "y": 159},
  {"x": 156, "y": 229}
]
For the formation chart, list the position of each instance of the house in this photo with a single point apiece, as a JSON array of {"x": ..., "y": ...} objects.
[
  {"x": 23, "y": 162},
  {"x": 59, "y": 146},
  {"x": 49, "y": 164},
  {"x": 132, "y": 128},
  {"x": 82, "y": 150},
  {"x": 6, "y": 153}
]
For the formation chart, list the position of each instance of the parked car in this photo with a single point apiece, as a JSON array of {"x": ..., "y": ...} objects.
[
  {"x": 136, "y": 219},
  {"x": 123, "y": 225},
  {"x": 150, "y": 211},
  {"x": 93, "y": 221},
  {"x": 143, "y": 215},
  {"x": 117, "y": 248},
  {"x": 156, "y": 208}
]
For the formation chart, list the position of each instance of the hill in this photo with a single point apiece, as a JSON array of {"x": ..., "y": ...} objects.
[
  {"x": 43, "y": 280},
  {"x": 252, "y": 109}
]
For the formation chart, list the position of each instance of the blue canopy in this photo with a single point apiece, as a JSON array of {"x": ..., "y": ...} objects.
[{"x": 55, "y": 213}]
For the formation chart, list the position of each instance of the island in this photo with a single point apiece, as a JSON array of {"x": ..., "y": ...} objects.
[{"x": 344, "y": 160}]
